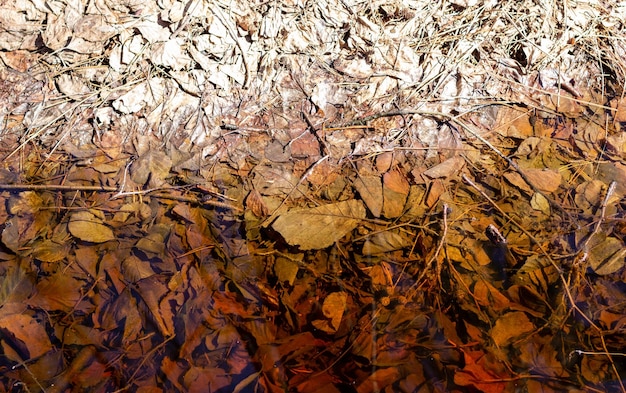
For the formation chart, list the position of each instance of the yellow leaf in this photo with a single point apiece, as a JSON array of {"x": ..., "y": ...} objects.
[
  {"x": 334, "y": 306},
  {"x": 85, "y": 226}
]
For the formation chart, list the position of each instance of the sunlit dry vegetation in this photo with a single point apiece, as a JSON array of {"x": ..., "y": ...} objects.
[{"x": 369, "y": 196}]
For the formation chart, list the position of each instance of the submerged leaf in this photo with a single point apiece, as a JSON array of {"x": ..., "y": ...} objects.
[
  {"x": 319, "y": 227},
  {"x": 606, "y": 254},
  {"x": 85, "y": 226}
]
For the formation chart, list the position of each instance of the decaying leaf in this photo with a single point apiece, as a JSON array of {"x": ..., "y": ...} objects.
[
  {"x": 539, "y": 202},
  {"x": 511, "y": 326},
  {"x": 370, "y": 189},
  {"x": 286, "y": 270},
  {"x": 59, "y": 292},
  {"x": 333, "y": 308},
  {"x": 545, "y": 180},
  {"x": 385, "y": 242},
  {"x": 86, "y": 226},
  {"x": 154, "y": 166},
  {"x": 395, "y": 192},
  {"x": 606, "y": 254},
  {"x": 319, "y": 227},
  {"x": 28, "y": 332},
  {"x": 49, "y": 251}
]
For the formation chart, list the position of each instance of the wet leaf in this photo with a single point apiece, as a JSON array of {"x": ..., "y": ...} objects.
[
  {"x": 154, "y": 166},
  {"x": 134, "y": 269},
  {"x": 87, "y": 227},
  {"x": 60, "y": 292},
  {"x": 286, "y": 270},
  {"x": 479, "y": 372},
  {"x": 539, "y": 202},
  {"x": 30, "y": 332},
  {"x": 319, "y": 227},
  {"x": 545, "y": 180},
  {"x": 511, "y": 326},
  {"x": 446, "y": 169},
  {"x": 606, "y": 254},
  {"x": 370, "y": 189},
  {"x": 385, "y": 242},
  {"x": 49, "y": 251},
  {"x": 395, "y": 192},
  {"x": 333, "y": 308}
]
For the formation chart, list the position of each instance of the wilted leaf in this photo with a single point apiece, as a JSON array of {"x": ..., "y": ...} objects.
[
  {"x": 333, "y": 308},
  {"x": 28, "y": 331},
  {"x": 385, "y": 242},
  {"x": 49, "y": 251},
  {"x": 370, "y": 188},
  {"x": 479, "y": 373},
  {"x": 606, "y": 254},
  {"x": 545, "y": 180},
  {"x": 379, "y": 379},
  {"x": 510, "y": 326},
  {"x": 446, "y": 169},
  {"x": 27, "y": 202},
  {"x": 134, "y": 269},
  {"x": 154, "y": 166},
  {"x": 286, "y": 270},
  {"x": 395, "y": 192},
  {"x": 539, "y": 202},
  {"x": 489, "y": 296},
  {"x": 59, "y": 292},
  {"x": 319, "y": 227},
  {"x": 154, "y": 242},
  {"x": 11, "y": 235},
  {"x": 514, "y": 122},
  {"x": 86, "y": 226}
]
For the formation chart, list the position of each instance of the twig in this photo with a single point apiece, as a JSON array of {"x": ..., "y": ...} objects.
[
  {"x": 609, "y": 193},
  {"x": 119, "y": 194}
]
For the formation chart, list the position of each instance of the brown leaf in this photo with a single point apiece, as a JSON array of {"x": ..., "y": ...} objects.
[
  {"x": 385, "y": 242},
  {"x": 86, "y": 226},
  {"x": 606, "y": 254},
  {"x": 321, "y": 226},
  {"x": 49, "y": 251},
  {"x": 479, "y": 373},
  {"x": 487, "y": 295},
  {"x": 28, "y": 331},
  {"x": 514, "y": 122},
  {"x": 58, "y": 292},
  {"x": 511, "y": 326},
  {"x": 370, "y": 190},
  {"x": 333, "y": 308},
  {"x": 446, "y": 169},
  {"x": 395, "y": 192},
  {"x": 546, "y": 180},
  {"x": 152, "y": 290}
]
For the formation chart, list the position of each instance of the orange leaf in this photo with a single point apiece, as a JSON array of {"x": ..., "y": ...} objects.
[{"x": 27, "y": 330}]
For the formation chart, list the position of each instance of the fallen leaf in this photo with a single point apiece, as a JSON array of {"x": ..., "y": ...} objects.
[
  {"x": 319, "y": 227},
  {"x": 59, "y": 292},
  {"x": 546, "y": 180},
  {"x": 49, "y": 251},
  {"x": 606, "y": 254},
  {"x": 28, "y": 331},
  {"x": 539, "y": 202},
  {"x": 87, "y": 227},
  {"x": 370, "y": 189},
  {"x": 333, "y": 308},
  {"x": 510, "y": 326},
  {"x": 385, "y": 242},
  {"x": 446, "y": 169}
]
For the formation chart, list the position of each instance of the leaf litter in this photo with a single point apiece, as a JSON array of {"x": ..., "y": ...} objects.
[{"x": 339, "y": 196}]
